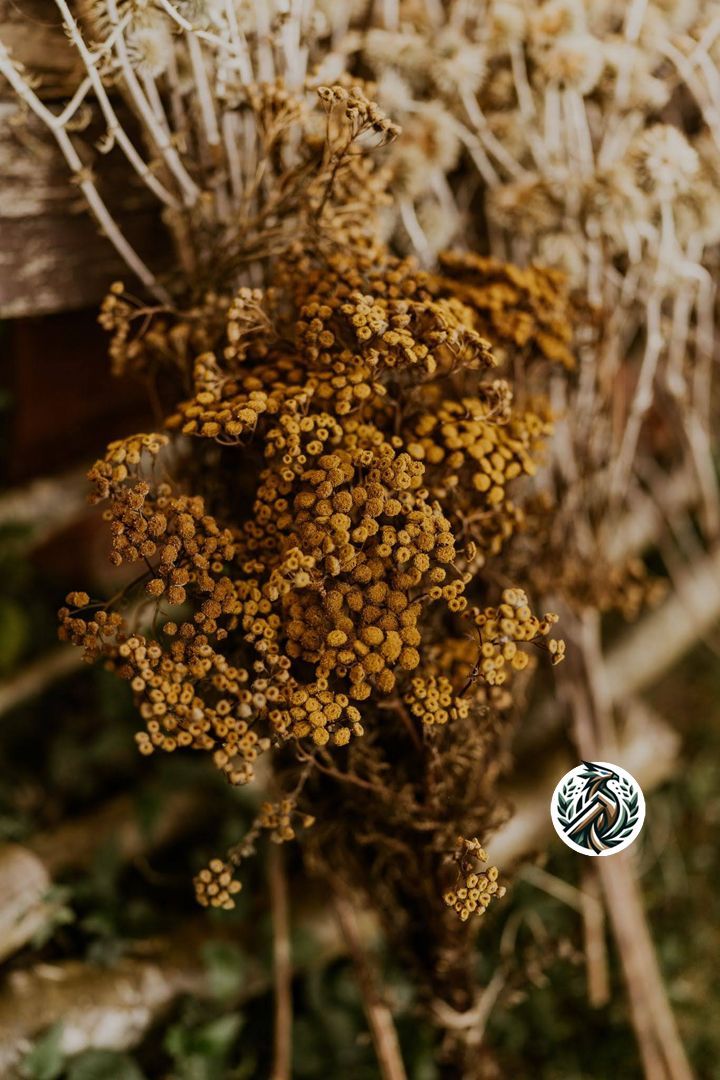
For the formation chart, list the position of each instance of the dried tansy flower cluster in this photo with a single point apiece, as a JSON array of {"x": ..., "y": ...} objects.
[
  {"x": 321, "y": 547},
  {"x": 592, "y": 131},
  {"x": 215, "y": 885},
  {"x": 313, "y": 537},
  {"x": 477, "y": 882},
  {"x": 362, "y": 383}
]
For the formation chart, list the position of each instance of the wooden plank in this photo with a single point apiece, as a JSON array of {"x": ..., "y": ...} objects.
[
  {"x": 64, "y": 404},
  {"x": 32, "y": 31},
  {"x": 52, "y": 255}
]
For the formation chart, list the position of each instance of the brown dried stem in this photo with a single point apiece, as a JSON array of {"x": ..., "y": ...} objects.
[
  {"x": 37, "y": 676},
  {"x": 660, "y": 1045},
  {"x": 662, "y": 1049},
  {"x": 664, "y": 635},
  {"x": 379, "y": 1017},
  {"x": 282, "y": 965},
  {"x": 596, "y": 957}
]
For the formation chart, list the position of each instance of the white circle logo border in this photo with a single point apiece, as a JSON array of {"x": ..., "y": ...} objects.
[{"x": 617, "y": 785}]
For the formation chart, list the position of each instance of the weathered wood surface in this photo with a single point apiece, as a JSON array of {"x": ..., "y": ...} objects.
[
  {"x": 52, "y": 255},
  {"x": 32, "y": 32}
]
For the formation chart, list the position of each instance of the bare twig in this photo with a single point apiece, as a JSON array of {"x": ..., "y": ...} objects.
[
  {"x": 658, "y": 1038},
  {"x": 472, "y": 1022},
  {"x": 159, "y": 135},
  {"x": 647, "y": 748},
  {"x": 112, "y": 1008},
  {"x": 643, "y": 396},
  {"x": 46, "y": 505},
  {"x": 642, "y": 973},
  {"x": 83, "y": 178},
  {"x": 37, "y": 676},
  {"x": 282, "y": 966},
  {"x": 109, "y": 1008},
  {"x": 596, "y": 957},
  {"x": 554, "y": 886},
  {"x": 379, "y": 1017},
  {"x": 643, "y": 524},
  {"x": 115, "y": 128},
  {"x": 664, "y": 635}
]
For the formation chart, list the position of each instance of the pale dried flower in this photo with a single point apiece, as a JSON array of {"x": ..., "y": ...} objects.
[
  {"x": 556, "y": 18},
  {"x": 646, "y": 90},
  {"x": 394, "y": 93},
  {"x": 664, "y": 161},
  {"x": 574, "y": 60},
  {"x": 429, "y": 145},
  {"x": 457, "y": 65},
  {"x": 507, "y": 22},
  {"x": 149, "y": 43}
]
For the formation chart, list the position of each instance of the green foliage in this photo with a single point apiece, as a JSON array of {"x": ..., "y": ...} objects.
[
  {"x": 60, "y": 914},
  {"x": 46, "y": 1059},
  {"x": 14, "y": 633},
  {"x": 104, "y": 1065},
  {"x": 201, "y": 1051},
  {"x": 25, "y": 623},
  {"x": 226, "y": 968},
  {"x": 542, "y": 1025}
]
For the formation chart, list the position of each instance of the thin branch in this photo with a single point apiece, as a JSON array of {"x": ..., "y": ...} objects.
[
  {"x": 115, "y": 128},
  {"x": 647, "y": 748},
  {"x": 210, "y": 151},
  {"x": 640, "y": 966},
  {"x": 105, "y": 1008},
  {"x": 83, "y": 178},
  {"x": 490, "y": 142},
  {"x": 282, "y": 966},
  {"x": 414, "y": 230},
  {"x": 643, "y": 396},
  {"x": 241, "y": 52},
  {"x": 204, "y": 35},
  {"x": 472, "y": 1022},
  {"x": 664, "y": 635},
  {"x": 33, "y": 679},
  {"x": 653, "y": 1020},
  {"x": 554, "y": 886},
  {"x": 596, "y": 954},
  {"x": 159, "y": 135},
  {"x": 643, "y": 525},
  {"x": 379, "y": 1017},
  {"x": 263, "y": 39},
  {"x": 46, "y": 505},
  {"x": 587, "y": 902}
]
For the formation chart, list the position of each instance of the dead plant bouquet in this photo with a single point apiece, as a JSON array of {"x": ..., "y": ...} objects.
[
  {"x": 331, "y": 537},
  {"x": 318, "y": 529}
]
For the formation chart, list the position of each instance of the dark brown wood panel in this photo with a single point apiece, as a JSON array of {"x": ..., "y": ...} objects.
[{"x": 64, "y": 405}]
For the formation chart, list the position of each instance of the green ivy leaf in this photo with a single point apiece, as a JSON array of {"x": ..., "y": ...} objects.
[
  {"x": 199, "y": 1053},
  {"x": 104, "y": 1065},
  {"x": 46, "y": 1059},
  {"x": 60, "y": 913},
  {"x": 14, "y": 633},
  {"x": 226, "y": 968}
]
